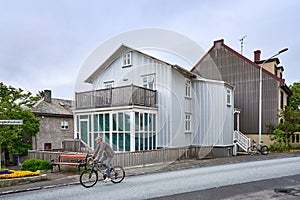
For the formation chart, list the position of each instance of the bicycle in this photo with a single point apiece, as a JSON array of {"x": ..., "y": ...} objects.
[
  {"x": 262, "y": 149},
  {"x": 89, "y": 177}
]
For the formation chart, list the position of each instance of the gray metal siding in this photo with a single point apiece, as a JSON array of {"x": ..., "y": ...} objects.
[
  {"x": 213, "y": 118},
  {"x": 207, "y": 105},
  {"x": 231, "y": 68}
]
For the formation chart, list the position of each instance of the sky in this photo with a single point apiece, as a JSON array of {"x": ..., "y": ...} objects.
[{"x": 44, "y": 44}]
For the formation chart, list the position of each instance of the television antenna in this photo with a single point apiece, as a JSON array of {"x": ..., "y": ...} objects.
[{"x": 242, "y": 43}]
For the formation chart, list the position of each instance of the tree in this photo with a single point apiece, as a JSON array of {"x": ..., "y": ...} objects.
[
  {"x": 13, "y": 106},
  {"x": 294, "y": 100},
  {"x": 283, "y": 132}
]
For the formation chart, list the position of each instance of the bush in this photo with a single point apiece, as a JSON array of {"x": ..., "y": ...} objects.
[
  {"x": 278, "y": 148},
  {"x": 35, "y": 164}
]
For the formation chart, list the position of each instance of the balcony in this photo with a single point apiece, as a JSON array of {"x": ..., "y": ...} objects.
[{"x": 119, "y": 96}]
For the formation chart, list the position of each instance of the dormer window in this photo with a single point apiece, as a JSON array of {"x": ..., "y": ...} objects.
[{"x": 126, "y": 62}]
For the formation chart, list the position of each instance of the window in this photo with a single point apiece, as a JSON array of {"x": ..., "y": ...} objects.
[
  {"x": 148, "y": 81},
  {"x": 281, "y": 100},
  {"x": 187, "y": 88},
  {"x": 228, "y": 97},
  {"x": 126, "y": 59},
  {"x": 108, "y": 84},
  {"x": 145, "y": 131},
  {"x": 188, "y": 123},
  {"x": 47, "y": 146},
  {"x": 64, "y": 125}
]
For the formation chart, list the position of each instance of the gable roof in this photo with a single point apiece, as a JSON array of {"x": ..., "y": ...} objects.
[
  {"x": 221, "y": 42},
  {"x": 123, "y": 48},
  {"x": 57, "y": 107}
]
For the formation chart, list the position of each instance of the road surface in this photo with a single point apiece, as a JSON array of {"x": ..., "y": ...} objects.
[{"x": 169, "y": 183}]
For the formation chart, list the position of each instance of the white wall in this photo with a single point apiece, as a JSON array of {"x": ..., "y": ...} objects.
[{"x": 213, "y": 117}]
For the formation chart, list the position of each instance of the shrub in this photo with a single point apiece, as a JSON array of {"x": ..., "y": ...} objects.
[
  {"x": 278, "y": 148},
  {"x": 35, "y": 164}
]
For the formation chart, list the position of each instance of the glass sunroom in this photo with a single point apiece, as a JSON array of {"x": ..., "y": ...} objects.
[{"x": 128, "y": 124}]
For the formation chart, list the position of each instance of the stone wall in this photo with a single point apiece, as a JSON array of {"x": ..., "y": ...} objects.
[{"x": 51, "y": 132}]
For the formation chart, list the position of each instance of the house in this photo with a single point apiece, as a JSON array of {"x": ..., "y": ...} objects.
[
  {"x": 223, "y": 63},
  {"x": 56, "y": 122},
  {"x": 139, "y": 102}
]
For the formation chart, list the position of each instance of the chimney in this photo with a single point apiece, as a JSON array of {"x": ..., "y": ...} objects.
[
  {"x": 47, "y": 96},
  {"x": 257, "y": 55}
]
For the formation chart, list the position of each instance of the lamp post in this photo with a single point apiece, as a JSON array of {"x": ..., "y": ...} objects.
[{"x": 260, "y": 92}]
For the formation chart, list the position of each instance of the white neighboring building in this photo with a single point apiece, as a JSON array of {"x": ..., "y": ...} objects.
[{"x": 139, "y": 102}]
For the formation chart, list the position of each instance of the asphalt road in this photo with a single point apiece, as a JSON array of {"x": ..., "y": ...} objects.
[
  {"x": 283, "y": 188},
  {"x": 195, "y": 183}
]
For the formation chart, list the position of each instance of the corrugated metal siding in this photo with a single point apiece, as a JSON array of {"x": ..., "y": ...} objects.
[
  {"x": 212, "y": 123},
  {"x": 213, "y": 118},
  {"x": 245, "y": 78}
]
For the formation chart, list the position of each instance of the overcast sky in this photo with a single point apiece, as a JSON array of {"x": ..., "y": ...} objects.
[{"x": 44, "y": 43}]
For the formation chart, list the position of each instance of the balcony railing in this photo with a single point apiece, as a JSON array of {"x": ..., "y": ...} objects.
[{"x": 119, "y": 96}]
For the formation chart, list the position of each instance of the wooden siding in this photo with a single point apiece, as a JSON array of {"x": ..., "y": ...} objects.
[
  {"x": 119, "y": 96},
  {"x": 222, "y": 64}
]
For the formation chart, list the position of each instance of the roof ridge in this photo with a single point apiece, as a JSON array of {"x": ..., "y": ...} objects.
[{"x": 221, "y": 41}]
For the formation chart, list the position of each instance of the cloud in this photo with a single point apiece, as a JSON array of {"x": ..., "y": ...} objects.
[{"x": 44, "y": 43}]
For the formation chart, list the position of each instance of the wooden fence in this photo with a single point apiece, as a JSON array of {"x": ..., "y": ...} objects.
[{"x": 141, "y": 158}]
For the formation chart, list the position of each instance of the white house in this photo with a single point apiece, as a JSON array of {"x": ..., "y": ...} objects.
[{"x": 139, "y": 102}]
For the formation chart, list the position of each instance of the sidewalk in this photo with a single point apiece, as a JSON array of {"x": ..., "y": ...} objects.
[{"x": 58, "y": 179}]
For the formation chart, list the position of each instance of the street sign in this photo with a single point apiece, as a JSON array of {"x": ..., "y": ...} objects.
[{"x": 11, "y": 122}]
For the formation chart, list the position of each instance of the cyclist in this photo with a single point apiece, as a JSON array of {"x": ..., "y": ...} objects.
[{"x": 102, "y": 153}]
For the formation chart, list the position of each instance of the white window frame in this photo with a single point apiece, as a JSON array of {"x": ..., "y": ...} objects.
[
  {"x": 188, "y": 86},
  {"x": 127, "y": 59},
  {"x": 149, "y": 81},
  {"x": 188, "y": 122},
  {"x": 108, "y": 84},
  {"x": 228, "y": 97},
  {"x": 64, "y": 125}
]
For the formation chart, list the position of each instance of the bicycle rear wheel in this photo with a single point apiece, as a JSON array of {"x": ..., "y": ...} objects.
[
  {"x": 117, "y": 174},
  {"x": 88, "y": 178},
  {"x": 252, "y": 150},
  {"x": 264, "y": 150}
]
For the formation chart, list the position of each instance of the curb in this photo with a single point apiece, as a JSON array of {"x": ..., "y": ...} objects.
[
  {"x": 37, "y": 179},
  {"x": 22, "y": 180}
]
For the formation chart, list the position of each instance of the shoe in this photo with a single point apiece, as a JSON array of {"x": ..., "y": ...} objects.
[{"x": 107, "y": 180}]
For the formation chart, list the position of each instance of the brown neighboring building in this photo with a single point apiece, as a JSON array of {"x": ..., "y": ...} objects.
[
  {"x": 56, "y": 122},
  {"x": 223, "y": 63}
]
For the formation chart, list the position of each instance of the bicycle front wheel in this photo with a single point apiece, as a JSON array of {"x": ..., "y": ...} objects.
[
  {"x": 264, "y": 150},
  {"x": 88, "y": 178},
  {"x": 252, "y": 150},
  {"x": 117, "y": 174}
]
